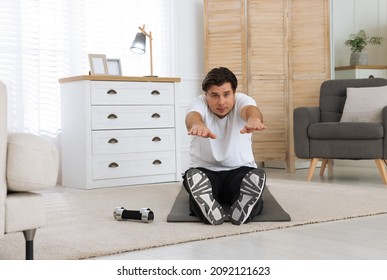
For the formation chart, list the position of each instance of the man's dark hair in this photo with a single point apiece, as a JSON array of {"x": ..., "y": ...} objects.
[{"x": 219, "y": 76}]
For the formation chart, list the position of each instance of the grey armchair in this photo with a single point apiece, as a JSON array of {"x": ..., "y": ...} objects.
[
  {"x": 319, "y": 134},
  {"x": 28, "y": 164}
]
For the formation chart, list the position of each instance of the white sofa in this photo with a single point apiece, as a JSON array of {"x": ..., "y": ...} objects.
[{"x": 28, "y": 164}]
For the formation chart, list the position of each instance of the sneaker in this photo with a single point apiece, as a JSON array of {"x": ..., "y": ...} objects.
[
  {"x": 201, "y": 191},
  {"x": 251, "y": 190}
]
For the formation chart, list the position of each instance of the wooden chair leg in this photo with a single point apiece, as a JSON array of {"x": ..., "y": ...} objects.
[
  {"x": 382, "y": 171},
  {"x": 324, "y": 163},
  {"x": 330, "y": 167},
  {"x": 312, "y": 167}
]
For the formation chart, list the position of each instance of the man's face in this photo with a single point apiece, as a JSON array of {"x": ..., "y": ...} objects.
[{"x": 220, "y": 99}]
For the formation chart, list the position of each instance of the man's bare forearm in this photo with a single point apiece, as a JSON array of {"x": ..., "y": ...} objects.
[
  {"x": 195, "y": 126},
  {"x": 193, "y": 118}
]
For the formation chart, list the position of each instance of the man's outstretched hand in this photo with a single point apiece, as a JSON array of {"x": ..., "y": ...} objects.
[
  {"x": 201, "y": 131},
  {"x": 252, "y": 125}
]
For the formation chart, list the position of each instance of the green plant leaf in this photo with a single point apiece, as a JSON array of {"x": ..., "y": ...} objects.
[{"x": 358, "y": 42}]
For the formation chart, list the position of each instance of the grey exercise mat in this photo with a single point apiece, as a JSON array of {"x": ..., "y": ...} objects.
[{"x": 271, "y": 212}]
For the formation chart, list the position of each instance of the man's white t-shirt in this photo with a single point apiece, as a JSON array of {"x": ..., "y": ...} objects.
[{"x": 230, "y": 149}]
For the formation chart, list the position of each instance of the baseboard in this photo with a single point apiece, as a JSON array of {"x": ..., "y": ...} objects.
[
  {"x": 304, "y": 164},
  {"x": 280, "y": 164},
  {"x": 355, "y": 163}
]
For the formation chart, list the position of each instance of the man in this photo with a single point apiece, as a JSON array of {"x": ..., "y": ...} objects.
[{"x": 222, "y": 171}]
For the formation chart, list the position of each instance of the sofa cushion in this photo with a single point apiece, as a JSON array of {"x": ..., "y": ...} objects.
[
  {"x": 3, "y": 153},
  {"x": 346, "y": 148},
  {"x": 346, "y": 130},
  {"x": 32, "y": 163},
  {"x": 24, "y": 210},
  {"x": 364, "y": 104}
]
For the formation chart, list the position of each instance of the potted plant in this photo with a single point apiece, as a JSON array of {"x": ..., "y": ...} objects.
[{"x": 358, "y": 43}]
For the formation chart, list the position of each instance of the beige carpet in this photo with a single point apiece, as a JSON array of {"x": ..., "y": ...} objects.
[{"x": 81, "y": 225}]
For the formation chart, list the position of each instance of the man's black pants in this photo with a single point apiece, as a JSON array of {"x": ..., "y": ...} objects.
[{"x": 226, "y": 187}]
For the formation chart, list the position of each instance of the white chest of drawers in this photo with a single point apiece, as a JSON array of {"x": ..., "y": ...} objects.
[{"x": 118, "y": 131}]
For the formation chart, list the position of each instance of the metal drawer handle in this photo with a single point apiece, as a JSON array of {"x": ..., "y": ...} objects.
[
  {"x": 157, "y": 162},
  {"x": 156, "y": 139},
  {"x": 111, "y": 91},
  {"x": 156, "y": 115},
  {"x": 113, "y": 165},
  {"x": 112, "y": 116},
  {"x": 113, "y": 141},
  {"x": 155, "y": 92}
]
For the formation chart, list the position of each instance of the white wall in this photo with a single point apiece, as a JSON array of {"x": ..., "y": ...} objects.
[
  {"x": 348, "y": 17},
  {"x": 189, "y": 63}
]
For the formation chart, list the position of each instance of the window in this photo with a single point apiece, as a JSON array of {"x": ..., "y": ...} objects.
[{"x": 42, "y": 41}]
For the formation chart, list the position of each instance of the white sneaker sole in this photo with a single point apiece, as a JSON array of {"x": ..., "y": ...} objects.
[
  {"x": 251, "y": 190},
  {"x": 201, "y": 190}
]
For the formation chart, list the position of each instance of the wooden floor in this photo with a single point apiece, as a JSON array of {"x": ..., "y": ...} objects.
[{"x": 352, "y": 239}]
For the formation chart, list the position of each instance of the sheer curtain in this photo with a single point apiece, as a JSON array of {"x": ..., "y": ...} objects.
[{"x": 42, "y": 41}]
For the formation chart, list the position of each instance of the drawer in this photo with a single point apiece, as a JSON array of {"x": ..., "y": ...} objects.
[
  {"x": 135, "y": 93},
  {"x": 371, "y": 73},
  {"x": 133, "y": 164},
  {"x": 128, "y": 141},
  {"x": 122, "y": 117}
]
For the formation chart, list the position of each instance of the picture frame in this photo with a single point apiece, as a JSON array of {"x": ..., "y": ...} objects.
[
  {"x": 98, "y": 64},
  {"x": 114, "y": 66}
]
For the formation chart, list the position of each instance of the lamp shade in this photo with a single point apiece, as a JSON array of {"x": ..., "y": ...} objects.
[{"x": 139, "y": 42}]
